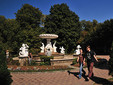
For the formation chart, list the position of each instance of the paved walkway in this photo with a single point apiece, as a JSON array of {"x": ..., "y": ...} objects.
[
  {"x": 58, "y": 78},
  {"x": 61, "y": 77}
]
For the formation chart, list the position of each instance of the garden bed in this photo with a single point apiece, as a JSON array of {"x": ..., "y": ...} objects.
[{"x": 14, "y": 68}]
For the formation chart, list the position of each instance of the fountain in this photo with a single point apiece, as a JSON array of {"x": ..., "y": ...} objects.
[{"x": 52, "y": 49}]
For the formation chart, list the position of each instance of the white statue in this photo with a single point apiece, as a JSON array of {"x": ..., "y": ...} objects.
[
  {"x": 48, "y": 52},
  {"x": 78, "y": 50},
  {"x": 42, "y": 48},
  {"x": 24, "y": 51},
  {"x": 62, "y": 50},
  {"x": 54, "y": 47},
  {"x": 49, "y": 46}
]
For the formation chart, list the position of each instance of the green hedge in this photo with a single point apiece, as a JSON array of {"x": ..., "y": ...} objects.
[
  {"x": 110, "y": 63},
  {"x": 5, "y": 77},
  {"x": 46, "y": 60}
]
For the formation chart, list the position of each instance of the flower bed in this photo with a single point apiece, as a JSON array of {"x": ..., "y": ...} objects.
[{"x": 14, "y": 68}]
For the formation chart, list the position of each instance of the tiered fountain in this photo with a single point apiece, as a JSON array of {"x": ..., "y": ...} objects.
[{"x": 48, "y": 46}]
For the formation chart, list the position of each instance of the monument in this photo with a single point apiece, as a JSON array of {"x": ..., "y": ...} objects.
[
  {"x": 23, "y": 54},
  {"x": 42, "y": 48},
  {"x": 54, "y": 47},
  {"x": 78, "y": 50},
  {"x": 48, "y": 46},
  {"x": 24, "y": 50},
  {"x": 62, "y": 51}
]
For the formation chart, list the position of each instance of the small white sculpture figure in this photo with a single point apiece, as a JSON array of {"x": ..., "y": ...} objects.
[
  {"x": 24, "y": 50},
  {"x": 48, "y": 52},
  {"x": 49, "y": 46},
  {"x": 62, "y": 50},
  {"x": 78, "y": 50},
  {"x": 54, "y": 47},
  {"x": 42, "y": 48}
]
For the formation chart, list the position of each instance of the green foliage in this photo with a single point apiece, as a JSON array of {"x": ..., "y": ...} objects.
[
  {"x": 33, "y": 63},
  {"x": 46, "y": 60},
  {"x": 5, "y": 77},
  {"x": 74, "y": 61},
  {"x": 100, "y": 39},
  {"x": 29, "y": 19},
  {"x": 110, "y": 63},
  {"x": 29, "y": 15},
  {"x": 42, "y": 63},
  {"x": 65, "y": 23},
  {"x": 24, "y": 29},
  {"x": 8, "y": 34},
  {"x": 88, "y": 28}
]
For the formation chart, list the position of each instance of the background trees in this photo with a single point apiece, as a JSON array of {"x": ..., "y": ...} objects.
[
  {"x": 30, "y": 22},
  {"x": 65, "y": 23},
  {"x": 29, "y": 18},
  {"x": 100, "y": 40}
]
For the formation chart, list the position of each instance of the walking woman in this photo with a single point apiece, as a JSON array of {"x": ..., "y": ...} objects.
[{"x": 81, "y": 61}]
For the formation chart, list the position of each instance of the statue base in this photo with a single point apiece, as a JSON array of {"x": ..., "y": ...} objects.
[
  {"x": 23, "y": 56},
  {"x": 23, "y": 60},
  {"x": 53, "y": 54}
]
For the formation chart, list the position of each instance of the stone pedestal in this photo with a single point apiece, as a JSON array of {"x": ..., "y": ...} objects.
[{"x": 23, "y": 61}]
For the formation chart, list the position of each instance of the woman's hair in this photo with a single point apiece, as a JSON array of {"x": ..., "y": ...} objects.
[
  {"x": 80, "y": 51},
  {"x": 88, "y": 46}
]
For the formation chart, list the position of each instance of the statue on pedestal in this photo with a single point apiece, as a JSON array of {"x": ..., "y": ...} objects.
[
  {"x": 62, "y": 50},
  {"x": 24, "y": 50},
  {"x": 42, "y": 48},
  {"x": 78, "y": 50},
  {"x": 54, "y": 47},
  {"x": 49, "y": 46}
]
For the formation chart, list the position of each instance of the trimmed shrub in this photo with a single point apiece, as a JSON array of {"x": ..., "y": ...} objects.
[
  {"x": 110, "y": 63},
  {"x": 5, "y": 77},
  {"x": 46, "y": 59}
]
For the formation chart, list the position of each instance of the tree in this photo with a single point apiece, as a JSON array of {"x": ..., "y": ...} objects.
[
  {"x": 29, "y": 15},
  {"x": 2, "y": 21},
  {"x": 29, "y": 19},
  {"x": 65, "y": 23},
  {"x": 88, "y": 28},
  {"x": 5, "y": 77},
  {"x": 101, "y": 40},
  {"x": 9, "y": 34}
]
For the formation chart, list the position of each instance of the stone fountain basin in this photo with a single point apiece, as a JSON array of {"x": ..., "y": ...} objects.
[{"x": 48, "y": 36}]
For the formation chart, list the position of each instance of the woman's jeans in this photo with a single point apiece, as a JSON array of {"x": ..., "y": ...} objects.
[{"x": 81, "y": 67}]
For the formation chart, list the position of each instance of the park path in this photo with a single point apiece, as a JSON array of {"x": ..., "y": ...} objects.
[
  {"x": 57, "y": 77},
  {"x": 60, "y": 77}
]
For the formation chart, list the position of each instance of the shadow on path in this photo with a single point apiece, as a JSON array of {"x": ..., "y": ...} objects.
[
  {"x": 76, "y": 75},
  {"x": 102, "y": 64},
  {"x": 101, "y": 81},
  {"x": 95, "y": 79}
]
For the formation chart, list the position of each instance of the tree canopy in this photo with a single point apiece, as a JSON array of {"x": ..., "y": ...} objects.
[
  {"x": 100, "y": 39},
  {"x": 29, "y": 19},
  {"x": 24, "y": 29},
  {"x": 65, "y": 23}
]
